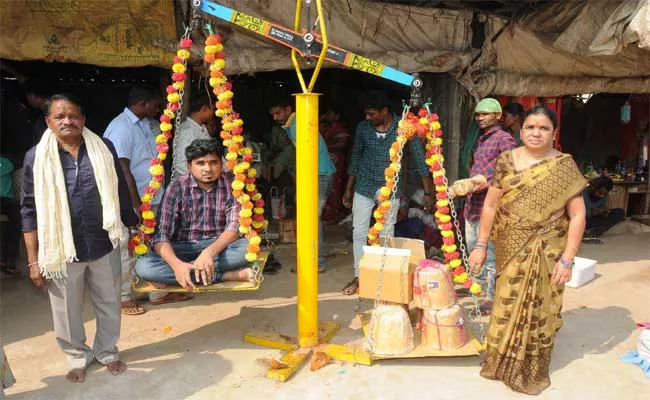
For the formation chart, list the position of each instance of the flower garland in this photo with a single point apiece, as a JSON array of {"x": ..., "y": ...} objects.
[
  {"x": 252, "y": 220},
  {"x": 138, "y": 242},
  {"x": 425, "y": 125}
]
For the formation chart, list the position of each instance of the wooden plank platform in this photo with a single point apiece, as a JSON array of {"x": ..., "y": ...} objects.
[{"x": 140, "y": 286}]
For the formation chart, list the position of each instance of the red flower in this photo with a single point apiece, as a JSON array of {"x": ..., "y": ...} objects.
[
  {"x": 468, "y": 283},
  {"x": 437, "y": 133},
  {"x": 258, "y": 217},
  {"x": 159, "y": 178},
  {"x": 238, "y": 130},
  {"x": 423, "y": 112},
  {"x": 149, "y": 223},
  {"x": 442, "y": 195},
  {"x": 173, "y": 106},
  {"x": 164, "y": 118},
  {"x": 149, "y": 190},
  {"x": 220, "y": 54},
  {"x": 259, "y": 203},
  {"x": 132, "y": 244},
  {"x": 178, "y": 60},
  {"x": 449, "y": 240},
  {"x": 434, "y": 117},
  {"x": 145, "y": 207},
  {"x": 162, "y": 148},
  {"x": 444, "y": 210},
  {"x": 439, "y": 180},
  {"x": 179, "y": 76},
  {"x": 447, "y": 226},
  {"x": 459, "y": 270},
  {"x": 248, "y": 158},
  {"x": 186, "y": 43},
  {"x": 452, "y": 256},
  {"x": 168, "y": 135}
]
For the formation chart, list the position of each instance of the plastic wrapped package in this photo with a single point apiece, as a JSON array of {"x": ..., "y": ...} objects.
[
  {"x": 433, "y": 288},
  {"x": 392, "y": 333},
  {"x": 443, "y": 329}
]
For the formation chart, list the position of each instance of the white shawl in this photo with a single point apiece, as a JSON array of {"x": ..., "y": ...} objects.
[{"x": 55, "y": 241}]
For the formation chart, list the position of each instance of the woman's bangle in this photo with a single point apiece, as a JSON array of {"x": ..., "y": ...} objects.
[
  {"x": 480, "y": 246},
  {"x": 566, "y": 264},
  {"x": 32, "y": 264}
]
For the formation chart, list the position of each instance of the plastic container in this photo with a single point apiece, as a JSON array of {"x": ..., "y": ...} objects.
[{"x": 584, "y": 271}]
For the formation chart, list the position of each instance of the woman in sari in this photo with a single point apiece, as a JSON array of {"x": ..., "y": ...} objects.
[{"x": 536, "y": 214}]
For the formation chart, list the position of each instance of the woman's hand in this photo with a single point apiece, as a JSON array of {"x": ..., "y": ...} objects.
[
  {"x": 561, "y": 274},
  {"x": 476, "y": 260}
]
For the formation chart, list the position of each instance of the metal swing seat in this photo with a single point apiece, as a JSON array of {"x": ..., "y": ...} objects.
[{"x": 142, "y": 286}]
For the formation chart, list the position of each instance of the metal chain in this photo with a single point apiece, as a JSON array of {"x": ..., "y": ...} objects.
[
  {"x": 476, "y": 311},
  {"x": 373, "y": 316}
]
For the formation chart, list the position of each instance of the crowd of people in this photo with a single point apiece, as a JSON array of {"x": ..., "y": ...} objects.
[{"x": 81, "y": 195}]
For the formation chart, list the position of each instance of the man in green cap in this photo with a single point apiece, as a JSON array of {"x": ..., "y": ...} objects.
[{"x": 492, "y": 142}]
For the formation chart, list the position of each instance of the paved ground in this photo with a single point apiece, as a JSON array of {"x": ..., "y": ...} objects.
[{"x": 194, "y": 350}]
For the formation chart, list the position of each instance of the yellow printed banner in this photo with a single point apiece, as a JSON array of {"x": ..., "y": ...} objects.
[{"x": 111, "y": 33}]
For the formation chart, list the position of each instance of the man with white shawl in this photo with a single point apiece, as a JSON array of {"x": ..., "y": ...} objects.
[{"x": 74, "y": 205}]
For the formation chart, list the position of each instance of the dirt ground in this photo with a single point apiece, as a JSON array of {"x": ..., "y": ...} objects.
[{"x": 194, "y": 350}]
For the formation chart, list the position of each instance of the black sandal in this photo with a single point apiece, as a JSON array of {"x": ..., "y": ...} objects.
[{"x": 352, "y": 287}]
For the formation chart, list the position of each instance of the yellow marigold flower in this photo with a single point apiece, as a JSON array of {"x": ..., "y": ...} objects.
[
  {"x": 161, "y": 139},
  {"x": 184, "y": 54},
  {"x": 251, "y": 257},
  {"x": 435, "y": 125},
  {"x": 173, "y": 98},
  {"x": 148, "y": 215},
  {"x": 156, "y": 170},
  {"x": 145, "y": 198},
  {"x": 179, "y": 85},
  {"x": 141, "y": 249},
  {"x": 250, "y": 187},
  {"x": 245, "y": 213},
  {"x": 178, "y": 67},
  {"x": 256, "y": 240},
  {"x": 475, "y": 288}
]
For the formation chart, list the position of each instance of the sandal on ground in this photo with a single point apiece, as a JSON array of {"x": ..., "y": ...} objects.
[
  {"x": 352, "y": 287},
  {"x": 132, "y": 308},
  {"x": 171, "y": 298}
]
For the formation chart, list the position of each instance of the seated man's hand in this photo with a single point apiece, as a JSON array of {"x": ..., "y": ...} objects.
[
  {"x": 182, "y": 273},
  {"x": 205, "y": 267}
]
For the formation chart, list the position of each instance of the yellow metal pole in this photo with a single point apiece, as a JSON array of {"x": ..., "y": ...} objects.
[{"x": 307, "y": 217}]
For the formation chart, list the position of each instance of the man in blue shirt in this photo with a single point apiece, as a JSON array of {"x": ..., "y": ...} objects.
[
  {"x": 599, "y": 218},
  {"x": 282, "y": 111},
  {"x": 370, "y": 157},
  {"x": 133, "y": 133}
]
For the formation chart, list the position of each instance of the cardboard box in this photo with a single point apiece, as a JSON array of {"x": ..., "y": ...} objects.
[{"x": 401, "y": 259}]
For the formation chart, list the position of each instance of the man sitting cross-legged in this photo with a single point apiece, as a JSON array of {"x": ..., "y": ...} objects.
[{"x": 198, "y": 226}]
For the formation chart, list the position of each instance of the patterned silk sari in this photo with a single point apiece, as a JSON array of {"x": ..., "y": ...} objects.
[{"x": 530, "y": 234}]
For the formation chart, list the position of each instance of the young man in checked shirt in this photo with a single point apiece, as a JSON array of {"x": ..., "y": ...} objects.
[
  {"x": 492, "y": 142},
  {"x": 370, "y": 157},
  {"x": 197, "y": 239}
]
